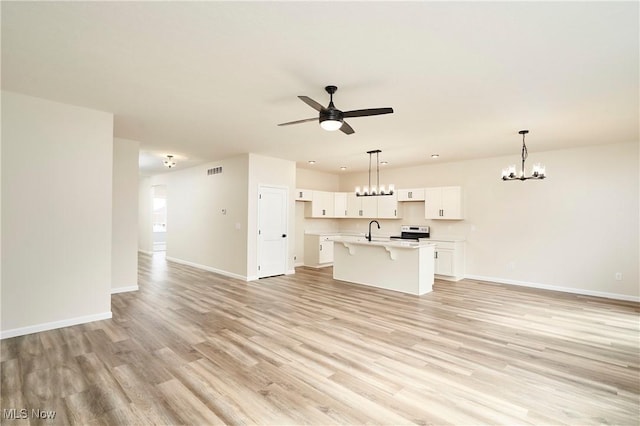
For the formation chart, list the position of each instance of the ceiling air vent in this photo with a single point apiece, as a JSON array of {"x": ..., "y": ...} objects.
[{"x": 214, "y": 171}]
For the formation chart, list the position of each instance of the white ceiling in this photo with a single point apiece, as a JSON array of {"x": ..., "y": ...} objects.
[{"x": 207, "y": 80}]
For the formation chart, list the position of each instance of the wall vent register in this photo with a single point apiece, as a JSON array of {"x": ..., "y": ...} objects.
[{"x": 214, "y": 171}]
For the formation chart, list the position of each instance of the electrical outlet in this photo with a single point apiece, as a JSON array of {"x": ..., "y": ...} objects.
[{"x": 618, "y": 276}]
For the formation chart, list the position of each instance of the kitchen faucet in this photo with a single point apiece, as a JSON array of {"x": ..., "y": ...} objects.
[{"x": 369, "y": 236}]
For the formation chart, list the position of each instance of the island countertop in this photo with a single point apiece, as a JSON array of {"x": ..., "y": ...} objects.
[{"x": 384, "y": 242}]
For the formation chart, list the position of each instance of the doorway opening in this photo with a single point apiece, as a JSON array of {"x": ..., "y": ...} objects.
[{"x": 159, "y": 217}]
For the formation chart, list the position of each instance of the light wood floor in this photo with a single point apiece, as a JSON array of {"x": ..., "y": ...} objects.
[{"x": 193, "y": 347}]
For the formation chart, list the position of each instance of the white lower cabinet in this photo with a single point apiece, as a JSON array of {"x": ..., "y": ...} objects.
[
  {"x": 318, "y": 250},
  {"x": 449, "y": 259}
]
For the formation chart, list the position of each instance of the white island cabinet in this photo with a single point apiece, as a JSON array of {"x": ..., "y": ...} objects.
[{"x": 393, "y": 265}]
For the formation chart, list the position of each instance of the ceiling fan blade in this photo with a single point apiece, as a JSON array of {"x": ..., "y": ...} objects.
[
  {"x": 299, "y": 121},
  {"x": 366, "y": 112},
  {"x": 346, "y": 128},
  {"x": 313, "y": 104}
]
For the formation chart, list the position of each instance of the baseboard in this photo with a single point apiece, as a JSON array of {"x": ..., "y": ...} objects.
[
  {"x": 299, "y": 264},
  {"x": 324, "y": 265},
  {"x": 210, "y": 269},
  {"x": 290, "y": 272},
  {"x": 447, "y": 278},
  {"x": 581, "y": 291},
  {"x": 124, "y": 289},
  {"x": 150, "y": 253},
  {"x": 6, "y": 334}
]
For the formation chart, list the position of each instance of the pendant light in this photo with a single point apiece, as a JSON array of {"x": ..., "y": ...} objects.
[
  {"x": 537, "y": 172},
  {"x": 377, "y": 189}
]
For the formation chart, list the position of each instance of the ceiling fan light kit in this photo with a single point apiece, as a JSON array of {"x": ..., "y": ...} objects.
[
  {"x": 331, "y": 118},
  {"x": 538, "y": 171},
  {"x": 377, "y": 189}
]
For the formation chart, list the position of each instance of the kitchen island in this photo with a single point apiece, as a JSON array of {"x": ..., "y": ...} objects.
[{"x": 393, "y": 265}]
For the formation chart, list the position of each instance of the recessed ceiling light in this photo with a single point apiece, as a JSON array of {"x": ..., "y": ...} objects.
[
  {"x": 343, "y": 168},
  {"x": 312, "y": 162},
  {"x": 435, "y": 155},
  {"x": 384, "y": 163}
]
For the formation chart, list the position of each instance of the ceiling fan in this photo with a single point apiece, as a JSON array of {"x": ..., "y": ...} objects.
[{"x": 331, "y": 118}]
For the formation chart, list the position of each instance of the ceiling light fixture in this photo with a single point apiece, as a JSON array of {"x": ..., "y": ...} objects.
[
  {"x": 330, "y": 124},
  {"x": 435, "y": 155},
  {"x": 331, "y": 119},
  {"x": 538, "y": 171},
  {"x": 377, "y": 189},
  {"x": 169, "y": 162},
  {"x": 312, "y": 162},
  {"x": 343, "y": 168}
]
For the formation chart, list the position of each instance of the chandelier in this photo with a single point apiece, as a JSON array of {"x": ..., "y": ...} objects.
[
  {"x": 537, "y": 172},
  {"x": 377, "y": 189},
  {"x": 169, "y": 162}
]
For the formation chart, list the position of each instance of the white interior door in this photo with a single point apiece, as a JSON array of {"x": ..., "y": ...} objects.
[{"x": 272, "y": 231}]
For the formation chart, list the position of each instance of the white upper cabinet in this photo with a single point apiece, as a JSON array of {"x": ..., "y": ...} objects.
[
  {"x": 383, "y": 207},
  {"x": 354, "y": 205},
  {"x": 361, "y": 207},
  {"x": 369, "y": 207},
  {"x": 347, "y": 205},
  {"x": 340, "y": 204},
  {"x": 411, "y": 194},
  {"x": 388, "y": 207},
  {"x": 304, "y": 194},
  {"x": 443, "y": 203},
  {"x": 321, "y": 205}
]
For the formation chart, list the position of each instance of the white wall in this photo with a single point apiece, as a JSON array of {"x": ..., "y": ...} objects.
[
  {"x": 198, "y": 233},
  {"x": 145, "y": 239},
  {"x": 124, "y": 250},
  {"x": 269, "y": 171},
  {"x": 572, "y": 231},
  {"x": 56, "y": 214},
  {"x": 314, "y": 179}
]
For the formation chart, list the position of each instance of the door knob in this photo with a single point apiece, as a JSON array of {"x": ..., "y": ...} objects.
[{"x": 284, "y": 235}]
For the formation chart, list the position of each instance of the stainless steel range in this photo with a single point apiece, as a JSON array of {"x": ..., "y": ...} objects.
[{"x": 412, "y": 233}]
